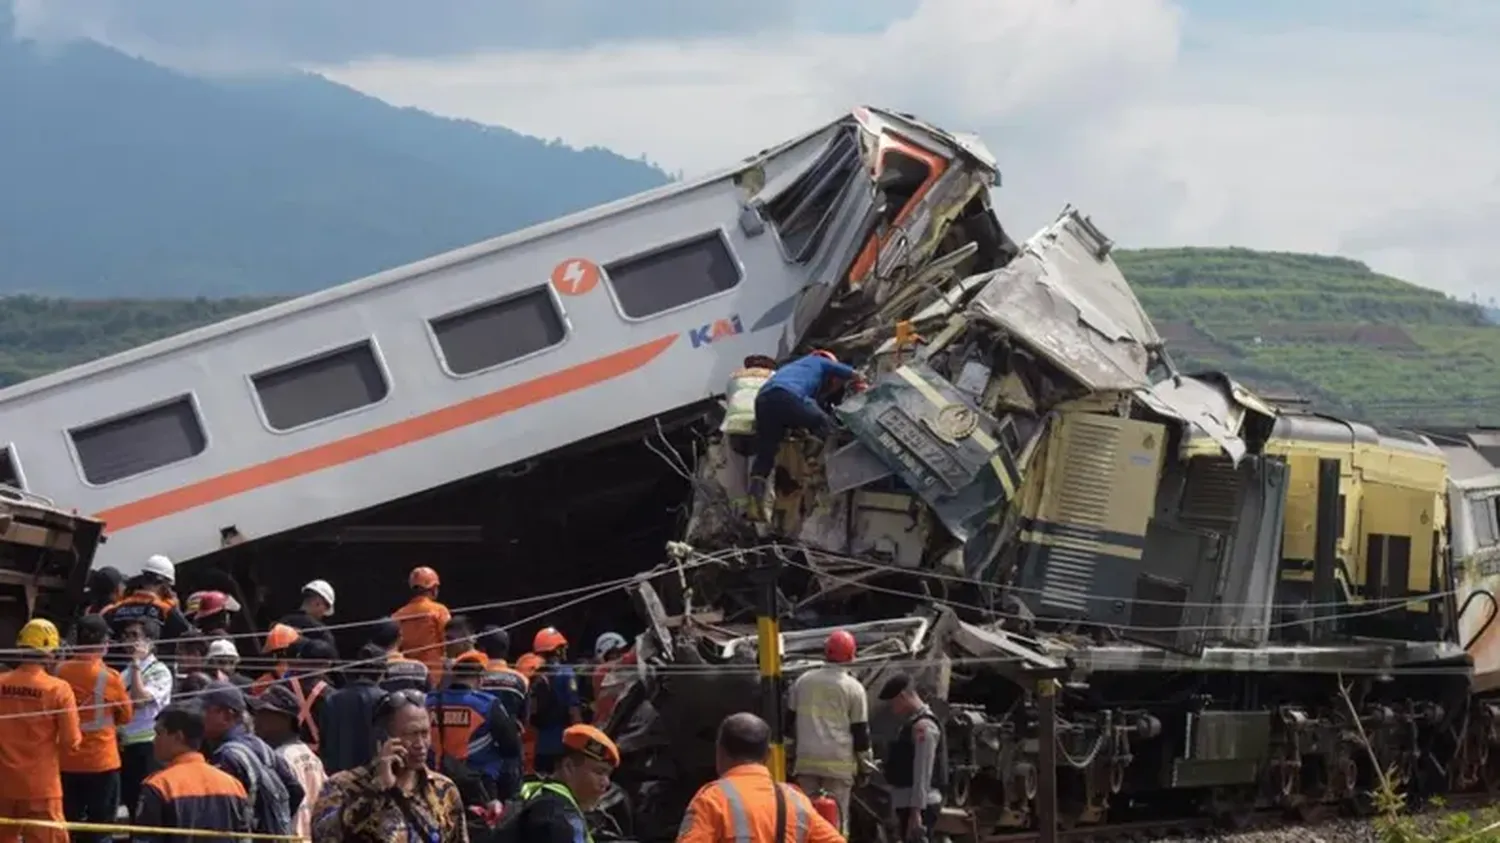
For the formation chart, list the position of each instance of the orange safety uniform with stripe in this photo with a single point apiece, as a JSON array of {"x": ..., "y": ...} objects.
[
  {"x": 191, "y": 793},
  {"x": 103, "y": 706},
  {"x": 509, "y": 685},
  {"x": 740, "y": 807},
  {"x": 424, "y": 623},
  {"x": 146, "y": 606},
  {"x": 38, "y": 723}
]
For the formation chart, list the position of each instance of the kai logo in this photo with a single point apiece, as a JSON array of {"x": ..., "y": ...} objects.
[{"x": 715, "y": 331}]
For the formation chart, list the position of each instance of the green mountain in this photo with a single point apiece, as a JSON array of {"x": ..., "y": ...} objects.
[
  {"x": 119, "y": 178},
  {"x": 1324, "y": 329}
]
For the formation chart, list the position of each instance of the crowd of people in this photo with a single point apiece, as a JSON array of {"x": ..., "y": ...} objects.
[
  {"x": 428, "y": 733},
  {"x": 429, "y": 730}
]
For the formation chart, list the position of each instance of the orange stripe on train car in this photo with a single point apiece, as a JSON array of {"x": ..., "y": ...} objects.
[{"x": 394, "y": 435}]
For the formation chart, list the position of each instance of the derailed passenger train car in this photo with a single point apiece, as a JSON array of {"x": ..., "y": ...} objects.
[{"x": 1029, "y": 457}]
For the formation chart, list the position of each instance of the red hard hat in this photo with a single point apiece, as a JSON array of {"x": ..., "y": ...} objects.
[
  {"x": 206, "y": 604},
  {"x": 839, "y": 647},
  {"x": 548, "y": 639}
]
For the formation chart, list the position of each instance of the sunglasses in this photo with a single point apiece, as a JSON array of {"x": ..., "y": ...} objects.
[{"x": 394, "y": 701}]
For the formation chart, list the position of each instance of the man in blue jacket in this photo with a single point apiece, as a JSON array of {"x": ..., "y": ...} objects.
[{"x": 787, "y": 402}]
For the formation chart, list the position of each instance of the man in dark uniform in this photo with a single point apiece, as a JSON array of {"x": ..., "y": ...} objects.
[{"x": 916, "y": 765}]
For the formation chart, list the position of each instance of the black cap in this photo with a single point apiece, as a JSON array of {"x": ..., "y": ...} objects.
[
  {"x": 221, "y": 694},
  {"x": 278, "y": 698},
  {"x": 91, "y": 629},
  {"x": 895, "y": 686}
]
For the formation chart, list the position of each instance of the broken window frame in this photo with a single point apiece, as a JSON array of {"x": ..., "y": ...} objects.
[
  {"x": 1486, "y": 530},
  {"x": 11, "y": 464},
  {"x": 473, "y": 312},
  {"x": 366, "y": 344},
  {"x": 822, "y": 184},
  {"x": 716, "y": 235},
  {"x": 198, "y": 443}
]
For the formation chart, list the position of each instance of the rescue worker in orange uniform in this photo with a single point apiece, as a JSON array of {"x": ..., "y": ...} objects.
[
  {"x": 473, "y": 738},
  {"x": 149, "y": 599},
  {"x": 91, "y": 773},
  {"x": 38, "y": 723},
  {"x": 528, "y": 665},
  {"x": 283, "y": 643},
  {"x": 742, "y": 804},
  {"x": 280, "y": 642},
  {"x": 555, "y": 703},
  {"x": 424, "y": 623},
  {"x": 500, "y": 679}
]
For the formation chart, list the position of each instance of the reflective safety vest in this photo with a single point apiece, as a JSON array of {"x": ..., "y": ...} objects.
[
  {"x": 306, "y": 721},
  {"x": 739, "y": 405},
  {"x": 740, "y": 807},
  {"x": 533, "y": 789},
  {"x": 460, "y": 728}
]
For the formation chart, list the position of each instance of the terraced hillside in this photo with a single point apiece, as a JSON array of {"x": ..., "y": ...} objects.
[{"x": 1324, "y": 328}]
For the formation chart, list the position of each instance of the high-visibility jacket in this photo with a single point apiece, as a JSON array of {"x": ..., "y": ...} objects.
[
  {"x": 472, "y": 726},
  {"x": 740, "y": 807},
  {"x": 103, "y": 706},
  {"x": 424, "y": 623},
  {"x": 739, "y": 403},
  {"x": 509, "y": 686},
  {"x": 38, "y": 723},
  {"x": 309, "y": 706}
]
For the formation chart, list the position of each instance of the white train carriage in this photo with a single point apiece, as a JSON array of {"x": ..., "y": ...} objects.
[{"x": 498, "y": 352}]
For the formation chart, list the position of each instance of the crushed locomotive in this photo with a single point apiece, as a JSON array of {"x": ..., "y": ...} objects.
[{"x": 1240, "y": 606}]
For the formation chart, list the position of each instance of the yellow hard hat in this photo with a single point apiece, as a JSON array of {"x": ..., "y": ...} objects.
[{"x": 39, "y": 634}]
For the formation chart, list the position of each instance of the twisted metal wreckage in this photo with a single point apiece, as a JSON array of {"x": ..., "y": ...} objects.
[{"x": 1030, "y": 489}]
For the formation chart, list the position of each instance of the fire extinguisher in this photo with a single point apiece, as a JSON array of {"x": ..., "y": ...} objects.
[{"x": 827, "y": 808}]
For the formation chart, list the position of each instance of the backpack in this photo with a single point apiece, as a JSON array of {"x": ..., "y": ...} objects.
[{"x": 270, "y": 808}]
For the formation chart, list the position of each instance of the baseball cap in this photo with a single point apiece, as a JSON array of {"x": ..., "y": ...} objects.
[
  {"x": 222, "y": 648},
  {"x": 277, "y": 698},
  {"x": 220, "y": 694}
]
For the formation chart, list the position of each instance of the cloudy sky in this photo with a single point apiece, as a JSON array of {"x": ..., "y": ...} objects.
[{"x": 1362, "y": 127}]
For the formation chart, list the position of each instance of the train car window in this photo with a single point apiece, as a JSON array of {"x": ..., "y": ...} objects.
[
  {"x": 498, "y": 332},
  {"x": 321, "y": 387},
  {"x": 1482, "y": 513},
  {"x": 801, "y": 213},
  {"x": 901, "y": 176},
  {"x": 658, "y": 281},
  {"x": 134, "y": 444}
]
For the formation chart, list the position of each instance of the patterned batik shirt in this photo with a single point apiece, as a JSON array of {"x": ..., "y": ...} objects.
[{"x": 352, "y": 808}]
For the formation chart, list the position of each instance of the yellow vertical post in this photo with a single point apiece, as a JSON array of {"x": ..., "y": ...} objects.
[{"x": 768, "y": 647}]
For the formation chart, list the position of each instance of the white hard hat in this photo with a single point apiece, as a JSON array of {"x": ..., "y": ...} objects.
[
  {"x": 222, "y": 648},
  {"x": 608, "y": 643},
  {"x": 323, "y": 590},
  {"x": 162, "y": 567}
]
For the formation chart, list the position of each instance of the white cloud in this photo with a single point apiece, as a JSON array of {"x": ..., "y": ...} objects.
[{"x": 1377, "y": 144}]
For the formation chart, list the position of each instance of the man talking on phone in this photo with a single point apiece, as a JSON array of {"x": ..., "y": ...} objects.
[{"x": 395, "y": 798}]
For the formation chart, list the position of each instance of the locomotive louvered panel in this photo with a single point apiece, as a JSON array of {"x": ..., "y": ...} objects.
[
  {"x": 1211, "y": 497},
  {"x": 1087, "y": 471},
  {"x": 1068, "y": 580}
]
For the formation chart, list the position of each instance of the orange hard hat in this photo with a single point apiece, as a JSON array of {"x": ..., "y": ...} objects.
[
  {"x": 528, "y": 665},
  {"x": 592, "y": 743},
  {"x": 825, "y": 354},
  {"x": 423, "y": 577},
  {"x": 839, "y": 647},
  {"x": 548, "y": 639},
  {"x": 281, "y": 637}
]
